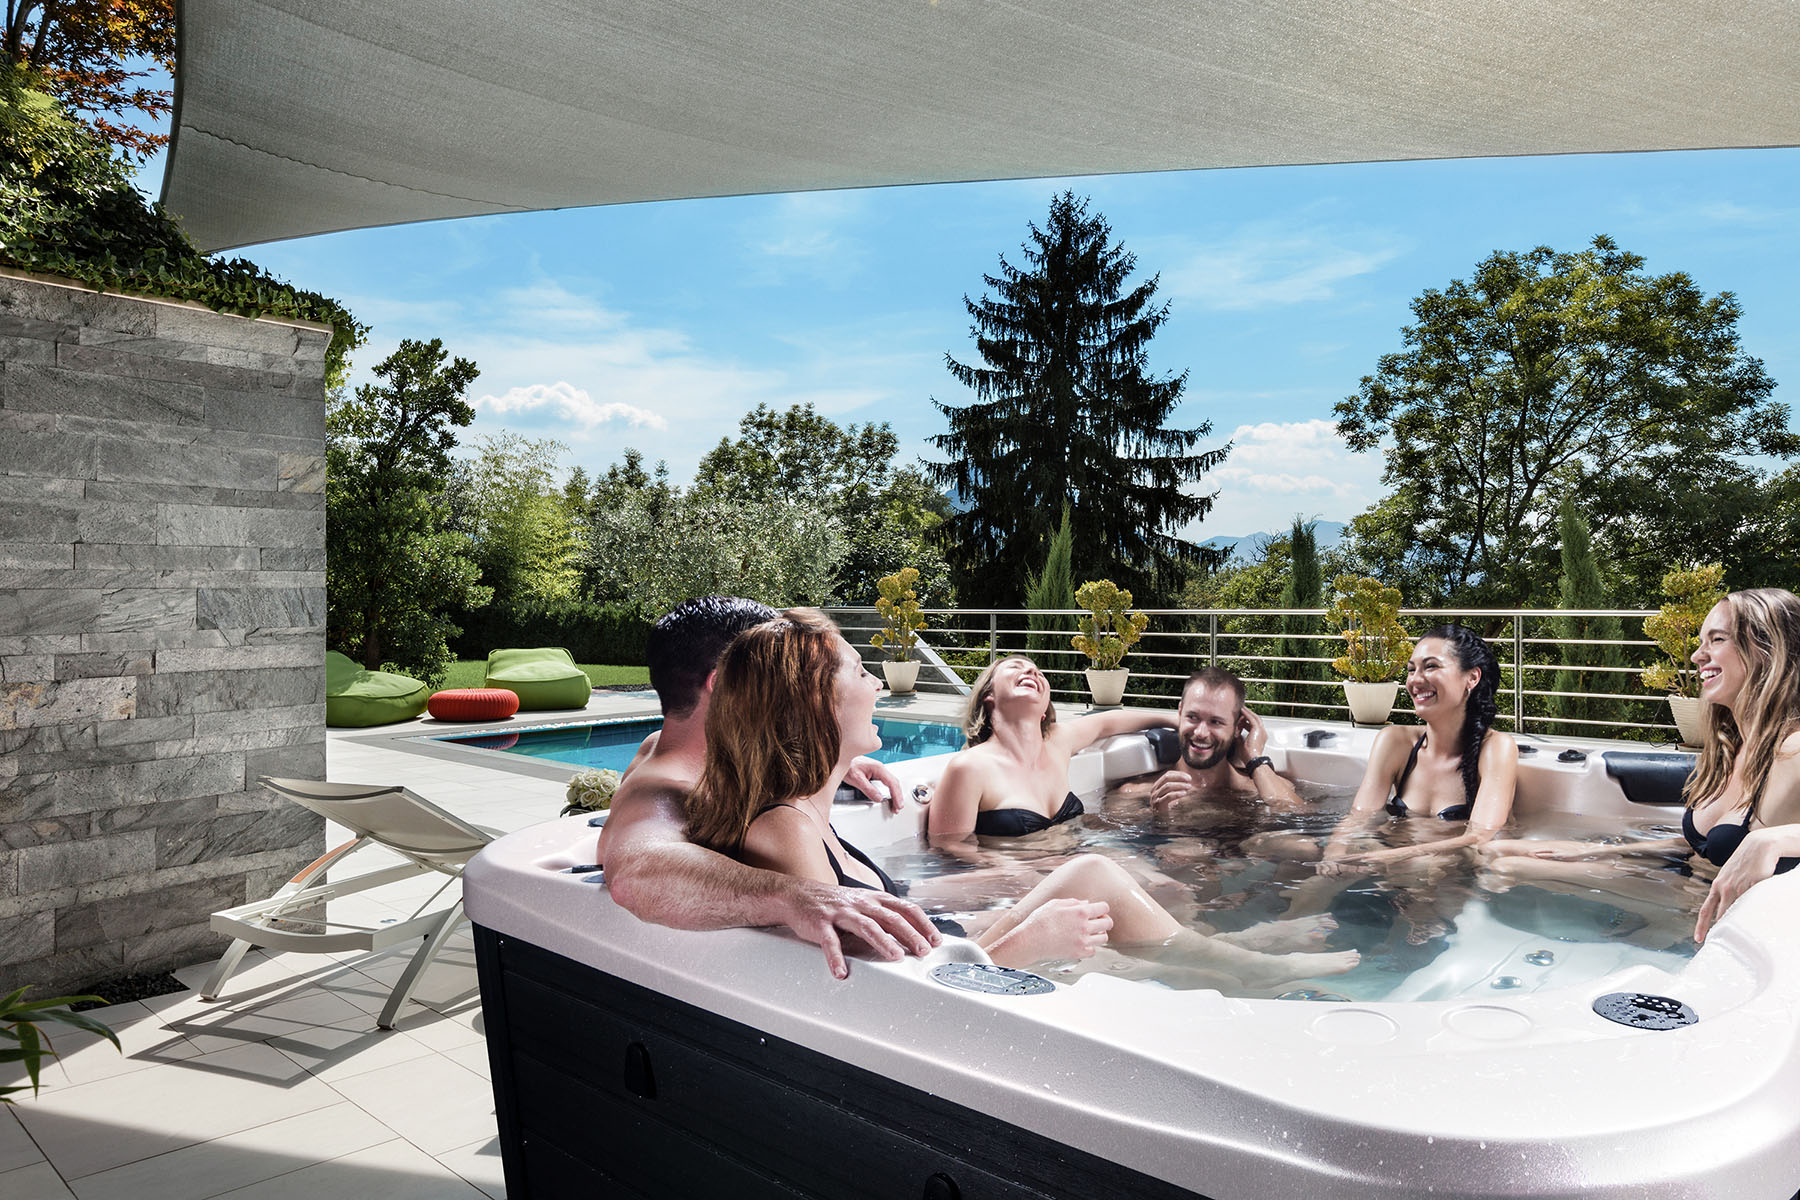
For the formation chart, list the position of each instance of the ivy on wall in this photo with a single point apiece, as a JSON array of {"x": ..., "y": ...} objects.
[{"x": 68, "y": 207}]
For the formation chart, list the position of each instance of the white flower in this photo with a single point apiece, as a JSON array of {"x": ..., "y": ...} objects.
[{"x": 592, "y": 790}]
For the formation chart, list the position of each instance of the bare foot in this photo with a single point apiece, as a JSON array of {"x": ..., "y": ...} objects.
[
  {"x": 1277, "y": 937},
  {"x": 1286, "y": 968}
]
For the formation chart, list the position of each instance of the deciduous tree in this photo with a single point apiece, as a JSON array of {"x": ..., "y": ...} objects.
[
  {"x": 1549, "y": 374},
  {"x": 101, "y": 58},
  {"x": 393, "y": 569}
]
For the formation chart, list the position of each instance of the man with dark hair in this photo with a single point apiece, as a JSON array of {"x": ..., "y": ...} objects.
[
  {"x": 657, "y": 874},
  {"x": 1221, "y": 746}
]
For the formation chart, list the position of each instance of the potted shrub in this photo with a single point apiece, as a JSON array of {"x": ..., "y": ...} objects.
[
  {"x": 1107, "y": 632},
  {"x": 1676, "y": 630},
  {"x": 1376, "y": 646},
  {"x": 898, "y": 605}
]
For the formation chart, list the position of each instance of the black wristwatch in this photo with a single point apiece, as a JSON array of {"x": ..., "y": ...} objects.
[{"x": 1261, "y": 760}]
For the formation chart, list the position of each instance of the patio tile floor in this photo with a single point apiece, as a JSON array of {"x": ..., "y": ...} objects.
[{"x": 285, "y": 1087}]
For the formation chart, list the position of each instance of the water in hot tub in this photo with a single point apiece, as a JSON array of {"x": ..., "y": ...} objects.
[{"x": 1428, "y": 929}]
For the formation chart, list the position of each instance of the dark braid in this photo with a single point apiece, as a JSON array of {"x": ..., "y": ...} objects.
[{"x": 1472, "y": 653}]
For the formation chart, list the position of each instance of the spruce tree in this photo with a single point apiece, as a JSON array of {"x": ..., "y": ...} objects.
[
  {"x": 1053, "y": 587},
  {"x": 1066, "y": 409},
  {"x": 1581, "y": 587}
]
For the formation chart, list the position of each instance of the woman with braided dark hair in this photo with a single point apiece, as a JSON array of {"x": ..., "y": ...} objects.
[{"x": 1459, "y": 769}]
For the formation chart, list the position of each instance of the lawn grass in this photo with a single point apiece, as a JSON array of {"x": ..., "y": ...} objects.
[{"x": 469, "y": 673}]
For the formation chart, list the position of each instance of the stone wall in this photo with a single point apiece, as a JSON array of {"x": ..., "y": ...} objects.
[{"x": 162, "y": 623}]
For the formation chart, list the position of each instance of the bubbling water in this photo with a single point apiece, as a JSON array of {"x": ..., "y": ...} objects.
[{"x": 1428, "y": 928}]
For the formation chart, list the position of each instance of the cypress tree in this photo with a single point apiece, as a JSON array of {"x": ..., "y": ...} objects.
[
  {"x": 1066, "y": 409},
  {"x": 1305, "y": 588},
  {"x": 1053, "y": 587},
  {"x": 1581, "y": 587}
]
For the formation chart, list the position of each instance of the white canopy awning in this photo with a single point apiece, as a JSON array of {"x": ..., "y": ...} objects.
[{"x": 297, "y": 117}]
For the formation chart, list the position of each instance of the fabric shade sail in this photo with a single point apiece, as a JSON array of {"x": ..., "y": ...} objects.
[{"x": 298, "y": 117}]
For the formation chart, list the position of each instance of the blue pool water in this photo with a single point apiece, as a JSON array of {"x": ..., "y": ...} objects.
[{"x": 612, "y": 743}]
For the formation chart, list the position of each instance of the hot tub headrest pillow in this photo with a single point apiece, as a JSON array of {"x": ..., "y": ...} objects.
[
  {"x": 1649, "y": 777},
  {"x": 1166, "y": 743}
]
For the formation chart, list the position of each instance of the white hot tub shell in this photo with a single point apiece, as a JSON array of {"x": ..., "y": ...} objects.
[{"x": 648, "y": 1060}]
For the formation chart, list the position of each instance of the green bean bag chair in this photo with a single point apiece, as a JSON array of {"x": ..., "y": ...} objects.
[
  {"x": 356, "y": 696},
  {"x": 542, "y": 678}
]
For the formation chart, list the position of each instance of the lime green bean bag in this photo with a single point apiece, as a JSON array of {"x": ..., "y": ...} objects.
[
  {"x": 356, "y": 696},
  {"x": 542, "y": 678}
]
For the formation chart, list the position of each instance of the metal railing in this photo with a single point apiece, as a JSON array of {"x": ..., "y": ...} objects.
[{"x": 1553, "y": 681}]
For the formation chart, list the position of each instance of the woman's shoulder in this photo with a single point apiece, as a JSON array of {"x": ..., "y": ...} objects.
[
  {"x": 1499, "y": 744},
  {"x": 784, "y": 839}
]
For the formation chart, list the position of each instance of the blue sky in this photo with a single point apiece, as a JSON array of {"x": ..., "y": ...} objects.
[{"x": 658, "y": 325}]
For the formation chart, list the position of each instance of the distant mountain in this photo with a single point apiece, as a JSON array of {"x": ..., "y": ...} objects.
[{"x": 1245, "y": 548}]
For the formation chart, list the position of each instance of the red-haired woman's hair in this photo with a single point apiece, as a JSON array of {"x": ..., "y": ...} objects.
[{"x": 771, "y": 730}]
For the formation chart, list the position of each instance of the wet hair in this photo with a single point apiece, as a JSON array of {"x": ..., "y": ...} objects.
[
  {"x": 1472, "y": 653},
  {"x": 1765, "y": 630},
  {"x": 1213, "y": 678},
  {"x": 978, "y": 715},
  {"x": 771, "y": 730},
  {"x": 685, "y": 644}
]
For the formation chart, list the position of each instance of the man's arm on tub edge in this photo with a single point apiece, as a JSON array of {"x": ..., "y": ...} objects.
[{"x": 657, "y": 875}]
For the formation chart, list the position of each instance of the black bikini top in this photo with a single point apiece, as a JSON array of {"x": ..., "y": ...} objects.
[
  {"x": 1397, "y": 806},
  {"x": 887, "y": 883},
  {"x": 1022, "y": 822}
]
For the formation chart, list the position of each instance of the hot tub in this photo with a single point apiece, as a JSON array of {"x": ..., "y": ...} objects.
[{"x": 634, "y": 1060}]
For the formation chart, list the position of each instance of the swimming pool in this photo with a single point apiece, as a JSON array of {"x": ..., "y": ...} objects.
[
  {"x": 611, "y": 744},
  {"x": 938, "y": 1078}
]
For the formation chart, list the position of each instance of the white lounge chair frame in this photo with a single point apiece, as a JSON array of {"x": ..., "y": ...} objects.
[{"x": 393, "y": 818}]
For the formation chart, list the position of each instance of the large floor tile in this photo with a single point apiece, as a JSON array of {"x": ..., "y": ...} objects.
[
  {"x": 444, "y": 1029},
  {"x": 479, "y": 1163},
  {"x": 232, "y": 1021},
  {"x": 94, "y": 1127},
  {"x": 331, "y": 1054},
  {"x": 86, "y": 1057},
  {"x": 16, "y": 1147},
  {"x": 41, "y": 1182},
  {"x": 474, "y": 1056},
  {"x": 432, "y": 1103},
  {"x": 240, "y": 1159},
  {"x": 392, "y": 1171}
]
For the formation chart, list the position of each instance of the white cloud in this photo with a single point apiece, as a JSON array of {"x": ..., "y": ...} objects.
[
  {"x": 1280, "y": 469},
  {"x": 1269, "y": 264},
  {"x": 568, "y": 403}
]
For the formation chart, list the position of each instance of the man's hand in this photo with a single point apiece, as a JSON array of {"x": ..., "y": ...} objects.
[
  {"x": 886, "y": 926},
  {"x": 865, "y": 773},
  {"x": 1252, "y": 739},
  {"x": 1173, "y": 788}
]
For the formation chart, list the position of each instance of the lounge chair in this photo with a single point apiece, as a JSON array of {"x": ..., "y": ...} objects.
[{"x": 392, "y": 818}]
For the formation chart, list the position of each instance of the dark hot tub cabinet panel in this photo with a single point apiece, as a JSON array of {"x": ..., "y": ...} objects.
[{"x": 604, "y": 1088}]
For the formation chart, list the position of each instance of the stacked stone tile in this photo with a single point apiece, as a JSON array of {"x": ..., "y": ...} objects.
[{"x": 162, "y": 623}]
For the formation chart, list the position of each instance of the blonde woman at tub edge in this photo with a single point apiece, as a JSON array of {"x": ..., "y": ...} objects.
[{"x": 1743, "y": 799}]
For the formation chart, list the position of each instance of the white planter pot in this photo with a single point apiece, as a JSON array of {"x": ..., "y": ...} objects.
[
  {"x": 1370, "y": 703},
  {"x": 902, "y": 677},
  {"x": 1690, "y": 718},
  {"x": 1107, "y": 687}
]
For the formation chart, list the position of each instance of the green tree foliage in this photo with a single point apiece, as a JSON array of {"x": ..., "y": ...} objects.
[
  {"x": 1581, "y": 586},
  {"x": 394, "y": 571},
  {"x": 1066, "y": 409},
  {"x": 1052, "y": 587},
  {"x": 1550, "y": 374},
  {"x": 96, "y": 56},
  {"x": 884, "y": 513},
  {"x": 68, "y": 207},
  {"x": 1304, "y": 588},
  {"x": 521, "y": 533}
]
